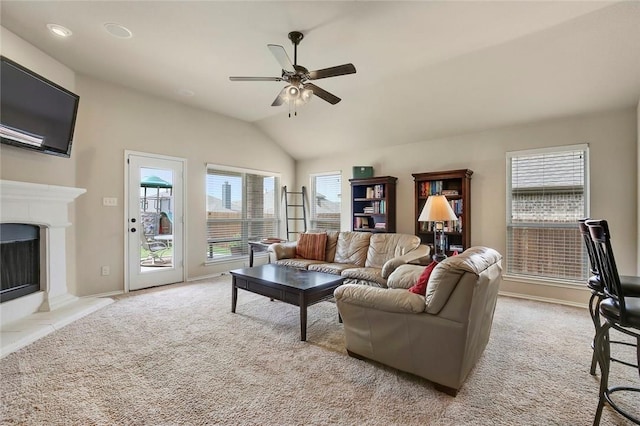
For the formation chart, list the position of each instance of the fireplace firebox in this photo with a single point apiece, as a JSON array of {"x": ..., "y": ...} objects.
[{"x": 20, "y": 260}]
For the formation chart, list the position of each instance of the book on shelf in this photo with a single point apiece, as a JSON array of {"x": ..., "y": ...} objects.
[
  {"x": 376, "y": 191},
  {"x": 456, "y": 247},
  {"x": 450, "y": 192}
]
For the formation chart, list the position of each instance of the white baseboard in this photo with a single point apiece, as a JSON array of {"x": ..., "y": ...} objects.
[
  {"x": 543, "y": 299},
  {"x": 107, "y": 294},
  {"x": 204, "y": 277}
]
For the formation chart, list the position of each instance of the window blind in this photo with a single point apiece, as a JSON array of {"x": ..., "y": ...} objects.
[
  {"x": 241, "y": 206},
  {"x": 326, "y": 191},
  {"x": 547, "y": 193}
]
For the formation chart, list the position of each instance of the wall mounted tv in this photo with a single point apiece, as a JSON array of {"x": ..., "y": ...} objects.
[{"x": 35, "y": 113}]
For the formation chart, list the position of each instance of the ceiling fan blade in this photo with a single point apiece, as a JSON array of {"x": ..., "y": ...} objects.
[
  {"x": 332, "y": 72},
  {"x": 322, "y": 94},
  {"x": 255, "y": 78},
  {"x": 282, "y": 57},
  {"x": 279, "y": 100}
]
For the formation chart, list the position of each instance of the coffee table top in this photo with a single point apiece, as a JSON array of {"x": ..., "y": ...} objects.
[{"x": 287, "y": 276}]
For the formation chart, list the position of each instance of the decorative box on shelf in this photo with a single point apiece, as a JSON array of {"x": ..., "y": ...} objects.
[{"x": 362, "y": 172}]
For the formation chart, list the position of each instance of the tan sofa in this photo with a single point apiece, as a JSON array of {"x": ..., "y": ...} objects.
[
  {"x": 439, "y": 337},
  {"x": 361, "y": 257}
]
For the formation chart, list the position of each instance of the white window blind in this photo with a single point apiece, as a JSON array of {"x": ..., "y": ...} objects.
[
  {"x": 547, "y": 192},
  {"x": 241, "y": 206},
  {"x": 326, "y": 192}
]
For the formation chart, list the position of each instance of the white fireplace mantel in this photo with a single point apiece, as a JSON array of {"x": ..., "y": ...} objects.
[
  {"x": 46, "y": 206},
  {"x": 36, "y": 204}
]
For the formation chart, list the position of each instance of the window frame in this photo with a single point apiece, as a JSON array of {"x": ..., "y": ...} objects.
[
  {"x": 244, "y": 220},
  {"x": 313, "y": 220},
  {"x": 509, "y": 225}
]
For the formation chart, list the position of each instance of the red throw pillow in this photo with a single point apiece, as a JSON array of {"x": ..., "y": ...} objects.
[
  {"x": 421, "y": 286},
  {"x": 311, "y": 246}
]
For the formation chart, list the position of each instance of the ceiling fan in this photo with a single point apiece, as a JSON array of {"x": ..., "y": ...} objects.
[{"x": 299, "y": 90}]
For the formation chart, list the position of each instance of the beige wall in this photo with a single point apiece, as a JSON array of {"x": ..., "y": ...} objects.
[
  {"x": 113, "y": 119},
  {"x": 612, "y": 140},
  {"x": 29, "y": 166}
]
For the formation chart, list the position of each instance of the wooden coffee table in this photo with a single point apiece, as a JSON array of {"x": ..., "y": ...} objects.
[{"x": 290, "y": 285}]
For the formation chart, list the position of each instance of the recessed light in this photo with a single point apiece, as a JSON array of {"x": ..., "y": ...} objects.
[
  {"x": 186, "y": 93},
  {"x": 118, "y": 30},
  {"x": 59, "y": 30}
]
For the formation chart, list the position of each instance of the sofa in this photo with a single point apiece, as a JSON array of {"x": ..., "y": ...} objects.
[
  {"x": 439, "y": 336},
  {"x": 361, "y": 257}
]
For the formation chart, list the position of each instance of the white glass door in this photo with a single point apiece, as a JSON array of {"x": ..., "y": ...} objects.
[{"x": 155, "y": 231}]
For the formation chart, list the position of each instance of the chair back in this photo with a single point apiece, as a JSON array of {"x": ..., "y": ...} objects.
[
  {"x": 601, "y": 237},
  {"x": 590, "y": 246}
]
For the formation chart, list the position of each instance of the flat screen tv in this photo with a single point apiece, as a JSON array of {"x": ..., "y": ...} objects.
[{"x": 35, "y": 113}]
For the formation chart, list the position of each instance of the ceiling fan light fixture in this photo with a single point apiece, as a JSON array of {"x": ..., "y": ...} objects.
[
  {"x": 306, "y": 95},
  {"x": 299, "y": 90},
  {"x": 293, "y": 92}
]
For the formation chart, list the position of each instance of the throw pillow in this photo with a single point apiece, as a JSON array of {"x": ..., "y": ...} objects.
[
  {"x": 311, "y": 246},
  {"x": 420, "y": 287}
]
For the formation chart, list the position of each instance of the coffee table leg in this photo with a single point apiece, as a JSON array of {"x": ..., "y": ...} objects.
[
  {"x": 234, "y": 295},
  {"x": 303, "y": 318}
]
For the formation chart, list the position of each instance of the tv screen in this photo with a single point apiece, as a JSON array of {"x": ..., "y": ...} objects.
[{"x": 35, "y": 113}]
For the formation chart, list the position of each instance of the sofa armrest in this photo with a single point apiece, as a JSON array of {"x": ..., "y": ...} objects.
[
  {"x": 420, "y": 252},
  {"x": 382, "y": 299},
  {"x": 286, "y": 250}
]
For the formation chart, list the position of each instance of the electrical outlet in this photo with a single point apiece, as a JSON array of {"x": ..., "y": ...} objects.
[
  {"x": 110, "y": 201},
  {"x": 105, "y": 271}
]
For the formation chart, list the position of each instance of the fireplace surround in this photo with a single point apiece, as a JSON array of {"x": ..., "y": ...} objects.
[{"x": 47, "y": 208}]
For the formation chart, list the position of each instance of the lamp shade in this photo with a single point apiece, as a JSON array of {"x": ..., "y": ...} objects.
[{"x": 437, "y": 209}]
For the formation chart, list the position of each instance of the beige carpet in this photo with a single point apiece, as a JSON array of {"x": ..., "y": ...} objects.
[{"x": 176, "y": 355}]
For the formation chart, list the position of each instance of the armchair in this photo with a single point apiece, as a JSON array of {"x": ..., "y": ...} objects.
[{"x": 440, "y": 336}]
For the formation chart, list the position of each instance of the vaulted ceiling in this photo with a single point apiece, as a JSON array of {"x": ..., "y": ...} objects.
[{"x": 424, "y": 69}]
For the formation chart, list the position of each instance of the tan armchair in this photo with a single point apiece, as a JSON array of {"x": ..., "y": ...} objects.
[{"x": 439, "y": 337}]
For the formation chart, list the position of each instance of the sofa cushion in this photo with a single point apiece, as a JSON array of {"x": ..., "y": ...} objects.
[
  {"x": 366, "y": 274},
  {"x": 352, "y": 248},
  {"x": 420, "y": 287},
  {"x": 331, "y": 268},
  {"x": 298, "y": 262},
  {"x": 311, "y": 246},
  {"x": 330, "y": 249},
  {"x": 383, "y": 247},
  {"x": 405, "y": 276}
]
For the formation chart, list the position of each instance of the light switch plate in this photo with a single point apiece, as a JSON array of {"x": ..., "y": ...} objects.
[{"x": 110, "y": 201}]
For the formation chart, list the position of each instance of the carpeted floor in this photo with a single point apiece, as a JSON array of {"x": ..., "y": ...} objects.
[{"x": 176, "y": 355}]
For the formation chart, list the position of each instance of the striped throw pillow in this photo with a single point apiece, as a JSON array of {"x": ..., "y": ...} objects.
[{"x": 311, "y": 246}]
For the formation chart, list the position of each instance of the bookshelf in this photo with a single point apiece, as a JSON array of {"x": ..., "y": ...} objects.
[
  {"x": 456, "y": 186},
  {"x": 373, "y": 204}
]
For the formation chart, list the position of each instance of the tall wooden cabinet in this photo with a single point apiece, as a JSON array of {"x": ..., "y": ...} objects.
[
  {"x": 373, "y": 204},
  {"x": 456, "y": 186}
]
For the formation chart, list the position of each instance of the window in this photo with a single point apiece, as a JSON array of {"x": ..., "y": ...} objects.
[
  {"x": 547, "y": 192},
  {"x": 241, "y": 206},
  {"x": 326, "y": 191}
]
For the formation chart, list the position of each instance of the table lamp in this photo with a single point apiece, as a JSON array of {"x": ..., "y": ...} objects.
[{"x": 438, "y": 210}]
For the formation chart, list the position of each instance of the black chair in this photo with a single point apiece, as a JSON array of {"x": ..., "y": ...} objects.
[
  {"x": 630, "y": 285},
  {"x": 619, "y": 312}
]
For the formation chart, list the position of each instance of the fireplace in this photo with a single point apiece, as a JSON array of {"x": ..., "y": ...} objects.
[
  {"x": 20, "y": 259},
  {"x": 27, "y": 210}
]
